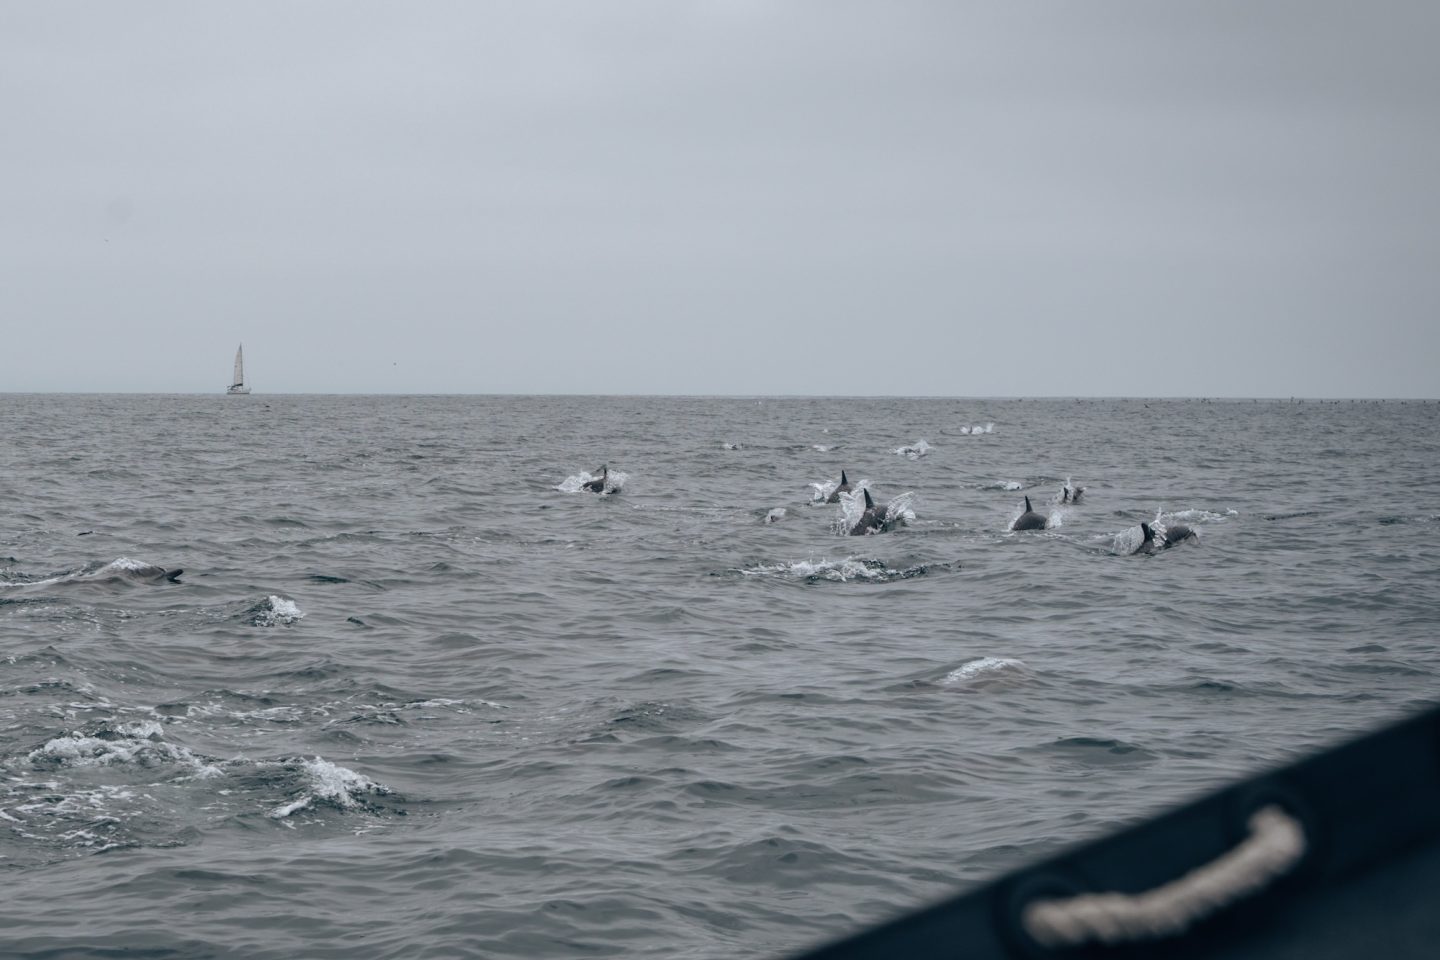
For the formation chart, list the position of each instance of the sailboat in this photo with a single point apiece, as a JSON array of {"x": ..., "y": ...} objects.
[{"x": 237, "y": 386}]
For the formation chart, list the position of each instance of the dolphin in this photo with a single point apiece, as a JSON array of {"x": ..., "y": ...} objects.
[
  {"x": 1069, "y": 494},
  {"x": 843, "y": 488},
  {"x": 598, "y": 484},
  {"x": 1173, "y": 535},
  {"x": 1147, "y": 541},
  {"x": 125, "y": 569},
  {"x": 1029, "y": 520},
  {"x": 1179, "y": 533},
  {"x": 872, "y": 520},
  {"x": 153, "y": 574}
]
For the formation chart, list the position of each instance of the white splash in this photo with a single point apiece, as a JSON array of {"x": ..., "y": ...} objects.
[
  {"x": 775, "y": 515},
  {"x": 124, "y": 565},
  {"x": 1198, "y": 516},
  {"x": 141, "y": 743},
  {"x": 1068, "y": 493},
  {"x": 898, "y": 511},
  {"x": 836, "y": 571},
  {"x": 824, "y": 488},
  {"x": 916, "y": 450},
  {"x": 614, "y": 480},
  {"x": 276, "y": 611},
  {"x": 901, "y": 509},
  {"x": 852, "y": 508},
  {"x": 1158, "y": 526},
  {"x": 329, "y": 783},
  {"x": 982, "y": 668},
  {"x": 77, "y": 749},
  {"x": 1127, "y": 541}
]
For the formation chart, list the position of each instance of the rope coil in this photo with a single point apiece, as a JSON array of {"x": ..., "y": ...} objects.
[{"x": 1276, "y": 843}]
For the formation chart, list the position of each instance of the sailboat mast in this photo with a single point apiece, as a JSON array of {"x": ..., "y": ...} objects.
[{"x": 237, "y": 384}]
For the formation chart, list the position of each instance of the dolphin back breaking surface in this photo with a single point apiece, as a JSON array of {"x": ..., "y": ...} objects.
[
  {"x": 861, "y": 514},
  {"x": 121, "y": 570}
]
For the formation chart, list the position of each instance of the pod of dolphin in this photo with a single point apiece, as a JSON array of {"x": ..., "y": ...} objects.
[
  {"x": 874, "y": 518},
  {"x": 877, "y": 519}
]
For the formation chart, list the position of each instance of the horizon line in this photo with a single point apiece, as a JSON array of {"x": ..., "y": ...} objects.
[{"x": 732, "y": 396}]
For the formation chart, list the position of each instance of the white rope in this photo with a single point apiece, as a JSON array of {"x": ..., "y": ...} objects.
[{"x": 1275, "y": 845}]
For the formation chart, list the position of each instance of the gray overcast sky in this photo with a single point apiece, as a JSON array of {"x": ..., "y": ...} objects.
[{"x": 722, "y": 196}]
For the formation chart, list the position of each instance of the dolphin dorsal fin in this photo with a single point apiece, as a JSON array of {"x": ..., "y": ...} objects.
[
  {"x": 1149, "y": 534},
  {"x": 843, "y": 481},
  {"x": 1027, "y": 505},
  {"x": 868, "y": 502}
]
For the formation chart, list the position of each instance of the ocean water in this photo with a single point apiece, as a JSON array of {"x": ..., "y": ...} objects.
[{"x": 418, "y": 695}]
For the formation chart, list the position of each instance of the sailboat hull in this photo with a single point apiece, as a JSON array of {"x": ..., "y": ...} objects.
[{"x": 237, "y": 390}]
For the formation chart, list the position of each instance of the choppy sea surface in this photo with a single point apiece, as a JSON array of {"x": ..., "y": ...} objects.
[{"x": 418, "y": 694}]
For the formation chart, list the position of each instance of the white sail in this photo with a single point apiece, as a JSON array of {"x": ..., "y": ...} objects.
[{"x": 237, "y": 385}]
